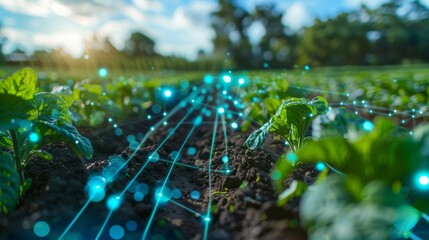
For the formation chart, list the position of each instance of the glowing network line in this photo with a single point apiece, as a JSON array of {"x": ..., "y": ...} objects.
[
  {"x": 185, "y": 207},
  {"x": 207, "y": 216},
  {"x": 161, "y": 191}
]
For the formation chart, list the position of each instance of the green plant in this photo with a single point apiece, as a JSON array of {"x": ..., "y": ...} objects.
[
  {"x": 29, "y": 121},
  {"x": 291, "y": 122},
  {"x": 379, "y": 191}
]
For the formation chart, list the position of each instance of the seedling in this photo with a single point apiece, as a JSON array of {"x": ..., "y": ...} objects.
[{"x": 29, "y": 121}]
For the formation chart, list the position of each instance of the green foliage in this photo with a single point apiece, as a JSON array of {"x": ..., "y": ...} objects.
[
  {"x": 345, "y": 208},
  {"x": 9, "y": 183},
  {"x": 33, "y": 121},
  {"x": 291, "y": 122},
  {"x": 368, "y": 156}
]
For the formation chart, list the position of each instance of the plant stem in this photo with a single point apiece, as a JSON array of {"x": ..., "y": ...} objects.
[{"x": 17, "y": 155}]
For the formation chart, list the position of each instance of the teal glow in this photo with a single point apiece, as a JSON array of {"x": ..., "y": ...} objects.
[
  {"x": 225, "y": 159},
  {"x": 241, "y": 81},
  {"x": 153, "y": 157},
  {"x": 138, "y": 196},
  {"x": 307, "y": 68},
  {"x": 192, "y": 151},
  {"x": 113, "y": 202},
  {"x": 424, "y": 180},
  {"x": 131, "y": 225},
  {"x": 221, "y": 110},
  {"x": 34, "y": 137},
  {"x": 198, "y": 120},
  {"x": 226, "y": 78},
  {"x": 41, "y": 229},
  {"x": 162, "y": 194},
  {"x": 168, "y": 93},
  {"x": 195, "y": 195},
  {"x": 208, "y": 79},
  {"x": 116, "y": 232},
  {"x": 290, "y": 156},
  {"x": 320, "y": 166},
  {"x": 176, "y": 193},
  {"x": 102, "y": 72},
  {"x": 234, "y": 125},
  {"x": 96, "y": 188},
  {"x": 368, "y": 126}
]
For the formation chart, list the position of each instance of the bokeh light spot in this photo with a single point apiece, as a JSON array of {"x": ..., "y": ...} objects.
[
  {"x": 41, "y": 229},
  {"x": 116, "y": 232}
]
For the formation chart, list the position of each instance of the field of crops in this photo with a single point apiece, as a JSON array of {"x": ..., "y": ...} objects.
[{"x": 329, "y": 153}]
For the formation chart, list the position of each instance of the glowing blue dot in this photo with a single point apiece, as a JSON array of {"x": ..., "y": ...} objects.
[
  {"x": 368, "y": 126},
  {"x": 175, "y": 156},
  {"x": 241, "y": 81},
  {"x": 307, "y": 68},
  {"x": 225, "y": 159},
  {"x": 34, "y": 137},
  {"x": 234, "y": 125},
  {"x": 95, "y": 188},
  {"x": 226, "y": 79},
  {"x": 320, "y": 166},
  {"x": 116, "y": 232},
  {"x": 207, "y": 219},
  {"x": 138, "y": 196},
  {"x": 224, "y": 92},
  {"x": 154, "y": 157},
  {"x": 290, "y": 156},
  {"x": 221, "y": 110},
  {"x": 163, "y": 194},
  {"x": 198, "y": 120},
  {"x": 424, "y": 180},
  {"x": 41, "y": 229},
  {"x": 208, "y": 79},
  {"x": 167, "y": 93},
  {"x": 113, "y": 202},
  {"x": 176, "y": 193},
  {"x": 102, "y": 72},
  {"x": 118, "y": 132},
  {"x": 195, "y": 195},
  {"x": 131, "y": 225},
  {"x": 192, "y": 151}
]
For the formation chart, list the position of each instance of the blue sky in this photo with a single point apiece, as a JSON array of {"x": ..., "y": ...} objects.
[{"x": 179, "y": 27}]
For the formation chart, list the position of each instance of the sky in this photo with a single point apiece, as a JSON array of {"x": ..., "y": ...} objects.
[{"x": 179, "y": 27}]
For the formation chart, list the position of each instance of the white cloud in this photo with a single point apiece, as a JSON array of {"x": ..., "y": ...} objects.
[
  {"x": 297, "y": 16},
  {"x": 368, "y": 3},
  {"x": 149, "y": 5},
  {"x": 71, "y": 42}
]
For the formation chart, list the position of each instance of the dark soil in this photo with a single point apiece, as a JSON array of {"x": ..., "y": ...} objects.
[{"x": 243, "y": 207}]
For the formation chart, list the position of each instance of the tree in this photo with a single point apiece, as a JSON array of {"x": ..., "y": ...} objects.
[
  {"x": 230, "y": 23},
  {"x": 139, "y": 45},
  {"x": 276, "y": 47},
  {"x": 2, "y": 41}
]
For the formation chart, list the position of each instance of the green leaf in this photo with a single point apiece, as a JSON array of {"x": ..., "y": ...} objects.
[
  {"x": 51, "y": 107},
  {"x": 21, "y": 84},
  {"x": 258, "y": 137},
  {"x": 5, "y": 141},
  {"x": 296, "y": 189},
  {"x": 13, "y": 110},
  {"x": 65, "y": 132},
  {"x": 9, "y": 183},
  {"x": 290, "y": 121},
  {"x": 44, "y": 155}
]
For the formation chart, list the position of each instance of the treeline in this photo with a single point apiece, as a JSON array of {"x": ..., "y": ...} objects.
[{"x": 394, "y": 33}]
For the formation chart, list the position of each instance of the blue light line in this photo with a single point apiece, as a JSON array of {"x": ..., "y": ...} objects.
[
  {"x": 77, "y": 216},
  {"x": 158, "y": 200},
  {"x": 186, "y": 208},
  {"x": 104, "y": 224},
  {"x": 206, "y": 227},
  {"x": 149, "y": 133},
  {"x": 190, "y": 166},
  {"x": 148, "y": 161}
]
